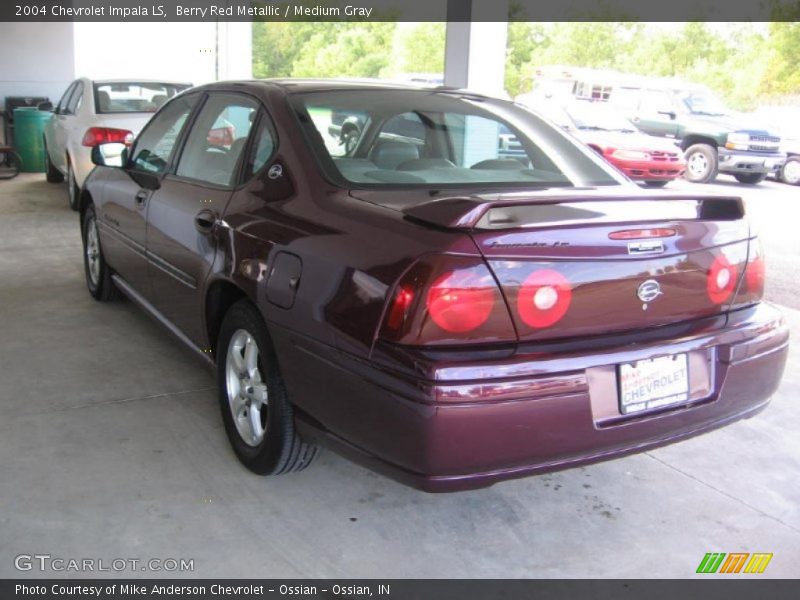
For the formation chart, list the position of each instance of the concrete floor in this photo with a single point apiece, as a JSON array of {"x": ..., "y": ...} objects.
[{"x": 112, "y": 447}]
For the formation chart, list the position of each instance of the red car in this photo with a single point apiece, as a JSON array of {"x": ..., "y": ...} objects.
[
  {"x": 420, "y": 303},
  {"x": 653, "y": 160}
]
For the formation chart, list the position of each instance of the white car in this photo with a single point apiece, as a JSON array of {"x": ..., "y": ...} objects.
[{"x": 95, "y": 112}]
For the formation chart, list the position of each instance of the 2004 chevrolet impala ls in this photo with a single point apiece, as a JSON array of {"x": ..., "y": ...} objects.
[{"x": 419, "y": 299}]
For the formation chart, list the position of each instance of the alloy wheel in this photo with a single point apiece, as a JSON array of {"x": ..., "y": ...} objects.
[
  {"x": 248, "y": 397},
  {"x": 93, "y": 251}
]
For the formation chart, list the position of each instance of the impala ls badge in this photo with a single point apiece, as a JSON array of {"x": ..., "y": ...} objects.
[
  {"x": 649, "y": 291},
  {"x": 646, "y": 247},
  {"x": 275, "y": 171}
]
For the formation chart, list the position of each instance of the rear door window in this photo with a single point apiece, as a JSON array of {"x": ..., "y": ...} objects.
[
  {"x": 217, "y": 140},
  {"x": 62, "y": 104},
  {"x": 76, "y": 99}
]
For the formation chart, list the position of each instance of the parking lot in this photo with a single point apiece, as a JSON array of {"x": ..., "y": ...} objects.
[{"x": 113, "y": 448}]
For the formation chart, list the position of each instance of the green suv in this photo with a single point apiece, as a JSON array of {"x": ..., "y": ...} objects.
[{"x": 713, "y": 138}]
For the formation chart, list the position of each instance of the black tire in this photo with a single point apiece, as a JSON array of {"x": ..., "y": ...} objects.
[
  {"x": 751, "y": 178},
  {"x": 656, "y": 184},
  {"x": 100, "y": 284},
  {"x": 792, "y": 174},
  {"x": 73, "y": 191},
  {"x": 703, "y": 154},
  {"x": 349, "y": 139},
  {"x": 280, "y": 448},
  {"x": 53, "y": 175}
]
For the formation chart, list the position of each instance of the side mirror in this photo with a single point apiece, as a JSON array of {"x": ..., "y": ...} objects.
[
  {"x": 45, "y": 106},
  {"x": 113, "y": 154},
  {"x": 668, "y": 113}
]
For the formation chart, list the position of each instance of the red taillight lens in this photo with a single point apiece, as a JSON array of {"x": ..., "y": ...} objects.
[
  {"x": 544, "y": 298},
  {"x": 754, "y": 276},
  {"x": 95, "y": 136},
  {"x": 752, "y": 288},
  {"x": 447, "y": 300},
  {"x": 398, "y": 311},
  {"x": 721, "y": 280},
  {"x": 462, "y": 300},
  {"x": 639, "y": 234}
]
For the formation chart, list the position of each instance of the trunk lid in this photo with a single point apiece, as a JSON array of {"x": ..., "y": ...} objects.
[{"x": 629, "y": 261}]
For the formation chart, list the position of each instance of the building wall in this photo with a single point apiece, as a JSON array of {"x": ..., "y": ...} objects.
[
  {"x": 194, "y": 52},
  {"x": 36, "y": 59}
]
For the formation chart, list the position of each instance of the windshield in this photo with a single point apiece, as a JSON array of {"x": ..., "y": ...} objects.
[
  {"x": 703, "y": 103},
  {"x": 133, "y": 97},
  {"x": 598, "y": 117},
  {"x": 379, "y": 138}
]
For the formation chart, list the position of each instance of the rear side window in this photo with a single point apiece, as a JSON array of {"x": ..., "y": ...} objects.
[
  {"x": 217, "y": 139},
  {"x": 133, "y": 97},
  {"x": 155, "y": 144}
]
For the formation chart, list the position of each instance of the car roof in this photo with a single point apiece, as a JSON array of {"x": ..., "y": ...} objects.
[
  {"x": 137, "y": 80},
  {"x": 300, "y": 85}
]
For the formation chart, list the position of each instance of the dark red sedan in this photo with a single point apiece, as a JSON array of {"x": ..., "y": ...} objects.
[
  {"x": 416, "y": 301},
  {"x": 655, "y": 161}
]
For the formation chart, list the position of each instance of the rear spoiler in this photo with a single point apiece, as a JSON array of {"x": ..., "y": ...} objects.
[{"x": 516, "y": 210}]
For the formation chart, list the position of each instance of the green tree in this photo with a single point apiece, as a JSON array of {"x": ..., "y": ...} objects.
[
  {"x": 418, "y": 49},
  {"x": 782, "y": 75}
]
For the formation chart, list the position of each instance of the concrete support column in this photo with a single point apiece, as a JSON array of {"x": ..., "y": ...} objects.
[{"x": 475, "y": 47}]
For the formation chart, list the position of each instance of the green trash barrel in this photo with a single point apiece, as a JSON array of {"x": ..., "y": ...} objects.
[{"x": 29, "y": 137}]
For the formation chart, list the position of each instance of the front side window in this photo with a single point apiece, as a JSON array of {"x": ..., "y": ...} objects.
[
  {"x": 217, "y": 139},
  {"x": 429, "y": 138},
  {"x": 133, "y": 97},
  {"x": 156, "y": 142},
  {"x": 655, "y": 102}
]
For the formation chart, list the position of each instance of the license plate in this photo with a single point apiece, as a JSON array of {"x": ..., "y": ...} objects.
[{"x": 653, "y": 383}]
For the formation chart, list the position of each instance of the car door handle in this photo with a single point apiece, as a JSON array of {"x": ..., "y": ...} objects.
[
  {"x": 141, "y": 198},
  {"x": 205, "y": 221}
]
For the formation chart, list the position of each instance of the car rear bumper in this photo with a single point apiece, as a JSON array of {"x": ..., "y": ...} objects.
[
  {"x": 731, "y": 161},
  {"x": 442, "y": 421},
  {"x": 650, "y": 170}
]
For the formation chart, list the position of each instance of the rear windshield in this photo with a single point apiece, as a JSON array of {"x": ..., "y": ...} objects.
[
  {"x": 132, "y": 97},
  {"x": 382, "y": 138}
]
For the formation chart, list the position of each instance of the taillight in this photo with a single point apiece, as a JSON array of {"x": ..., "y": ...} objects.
[
  {"x": 95, "y": 136},
  {"x": 752, "y": 288},
  {"x": 447, "y": 299},
  {"x": 754, "y": 276},
  {"x": 721, "y": 280},
  {"x": 544, "y": 298}
]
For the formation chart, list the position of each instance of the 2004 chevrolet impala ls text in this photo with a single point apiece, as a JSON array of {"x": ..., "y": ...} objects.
[{"x": 440, "y": 313}]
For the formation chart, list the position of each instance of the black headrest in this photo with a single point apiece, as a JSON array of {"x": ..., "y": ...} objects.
[{"x": 387, "y": 155}]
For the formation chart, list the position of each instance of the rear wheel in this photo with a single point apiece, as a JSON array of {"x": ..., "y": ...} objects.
[
  {"x": 53, "y": 174},
  {"x": 73, "y": 191},
  {"x": 255, "y": 407},
  {"x": 656, "y": 184},
  {"x": 98, "y": 273},
  {"x": 702, "y": 164},
  {"x": 790, "y": 172},
  {"x": 750, "y": 177}
]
